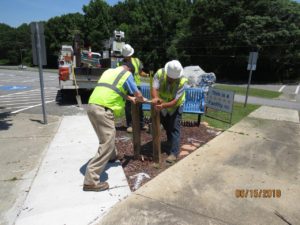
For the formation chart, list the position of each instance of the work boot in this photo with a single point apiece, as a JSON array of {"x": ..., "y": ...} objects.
[
  {"x": 171, "y": 158},
  {"x": 129, "y": 129},
  {"x": 119, "y": 156},
  {"x": 102, "y": 186}
]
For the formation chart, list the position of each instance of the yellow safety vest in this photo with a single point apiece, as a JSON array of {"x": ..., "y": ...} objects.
[
  {"x": 136, "y": 63},
  {"x": 167, "y": 92},
  {"x": 110, "y": 92}
]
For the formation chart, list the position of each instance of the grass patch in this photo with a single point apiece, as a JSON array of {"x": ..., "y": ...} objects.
[
  {"x": 4, "y": 61},
  {"x": 239, "y": 112},
  {"x": 252, "y": 91}
]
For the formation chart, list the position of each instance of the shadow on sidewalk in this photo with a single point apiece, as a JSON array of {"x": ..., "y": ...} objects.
[{"x": 104, "y": 175}]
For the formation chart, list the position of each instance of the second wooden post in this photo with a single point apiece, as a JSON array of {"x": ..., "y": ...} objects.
[{"x": 136, "y": 129}]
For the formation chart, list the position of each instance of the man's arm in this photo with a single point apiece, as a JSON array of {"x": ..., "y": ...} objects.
[
  {"x": 154, "y": 91},
  {"x": 131, "y": 87}
]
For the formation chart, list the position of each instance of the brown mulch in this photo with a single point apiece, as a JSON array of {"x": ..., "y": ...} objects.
[{"x": 190, "y": 134}]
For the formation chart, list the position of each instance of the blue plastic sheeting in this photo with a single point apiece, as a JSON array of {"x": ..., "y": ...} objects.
[
  {"x": 194, "y": 100},
  {"x": 13, "y": 88}
]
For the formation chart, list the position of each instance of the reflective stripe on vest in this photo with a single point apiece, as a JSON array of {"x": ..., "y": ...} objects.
[
  {"x": 109, "y": 91},
  {"x": 114, "y": 85}
]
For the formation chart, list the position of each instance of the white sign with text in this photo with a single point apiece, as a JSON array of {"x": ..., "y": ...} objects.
[{"x": 220, "y": 100}]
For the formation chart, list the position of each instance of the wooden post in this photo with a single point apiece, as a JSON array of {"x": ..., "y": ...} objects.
[
  {"x": 156, "y": 136},
  {"x": 136, "y": 129}
]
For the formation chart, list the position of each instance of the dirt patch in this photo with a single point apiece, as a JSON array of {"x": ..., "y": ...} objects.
[{"x": 140, "y": 171}]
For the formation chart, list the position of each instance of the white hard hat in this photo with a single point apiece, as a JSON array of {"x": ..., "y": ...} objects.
[
  {"x": 127, "y": 50},
  {"x": 174, "y": 69}
]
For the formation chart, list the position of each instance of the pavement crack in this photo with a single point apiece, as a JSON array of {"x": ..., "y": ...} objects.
[
  {"x": 184, "y": 209},
  {"x": 281, "y": 217}
]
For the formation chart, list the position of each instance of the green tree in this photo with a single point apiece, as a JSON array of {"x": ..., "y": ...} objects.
[
  {"x": 150, "y": 27},
  {"x": 6, "y": 44},
  {"x": 97, "y": 24},
  {"x": 61, "y": 30},
  {"x": 220, "y": 34}
]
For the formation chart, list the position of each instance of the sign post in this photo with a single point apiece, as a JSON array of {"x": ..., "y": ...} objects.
[
  {"x": 39, "y": 56},
  {"x": 251, "y": 66}
]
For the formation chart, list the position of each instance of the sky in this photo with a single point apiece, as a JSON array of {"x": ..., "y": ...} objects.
[{"x": 16, "y": 12}]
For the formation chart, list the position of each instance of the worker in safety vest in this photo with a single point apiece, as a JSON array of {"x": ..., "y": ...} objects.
[
  {"x": 127, "y": 52},
  {"x": 105, "y": 104},
  {"x": 168, "y": 96}
]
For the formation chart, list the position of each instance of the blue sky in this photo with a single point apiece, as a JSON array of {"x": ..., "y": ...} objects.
[{"x": 16, "y": 12}]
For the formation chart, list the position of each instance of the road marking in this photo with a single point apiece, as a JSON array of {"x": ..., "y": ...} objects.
[
  {"x": 33, "y": 101},
  {"x": 20, "y": 110},
  {"x": 26, "y": 100},
  {"x": 21, "y": 92},
  {"x": 297, "y": 89},
  {"x": 280, "y": 90}
]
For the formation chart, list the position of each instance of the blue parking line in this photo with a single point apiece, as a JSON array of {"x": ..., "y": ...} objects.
[{"x": 13, "y": 88}]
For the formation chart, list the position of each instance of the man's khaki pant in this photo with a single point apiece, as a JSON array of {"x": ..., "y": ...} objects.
[{"x": 103, "y": 122}]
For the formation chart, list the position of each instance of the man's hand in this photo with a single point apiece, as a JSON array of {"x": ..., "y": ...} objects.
[
  {"x": 141, "y": 99},
  {"x": 159, "y": 107},
  {"x": 157, "y": 101},
  {"x": 132, "y": 99}
]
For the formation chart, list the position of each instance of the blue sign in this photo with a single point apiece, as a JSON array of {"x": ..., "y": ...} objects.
[{"x": 13, "y": 88}]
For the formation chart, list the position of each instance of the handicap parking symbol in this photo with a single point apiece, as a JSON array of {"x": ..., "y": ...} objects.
[{"x": 13, "y": 88}]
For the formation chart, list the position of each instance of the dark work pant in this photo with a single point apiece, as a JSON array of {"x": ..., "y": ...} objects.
[
  {"x": 128, "y": 113},
  {"x": 172, "y": 126}
]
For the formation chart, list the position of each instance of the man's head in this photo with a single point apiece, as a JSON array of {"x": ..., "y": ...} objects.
[
  {"x": 129, "y": 66},
  {"x": 174, "y": 69},
  {"x": 127, "y": 50}
]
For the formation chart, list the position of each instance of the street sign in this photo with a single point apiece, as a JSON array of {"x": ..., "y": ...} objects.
[
  {"x": 252, "y": 67},
  {"x": 252, "y": 61},
  {"x": 38, "y": 43}
]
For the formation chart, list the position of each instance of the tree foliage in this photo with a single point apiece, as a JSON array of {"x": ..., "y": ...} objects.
[{"x": 215, "y": 34}]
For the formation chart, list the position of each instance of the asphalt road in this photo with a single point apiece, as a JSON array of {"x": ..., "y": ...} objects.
[{"x": 20, "y": 92}]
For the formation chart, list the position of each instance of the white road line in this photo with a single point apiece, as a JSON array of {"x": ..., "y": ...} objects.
[
  {"x": 280, "y": 90},
  {"x": 26, "y": 100},
  {"x": 22, "y": 92},
  {"x": 26, "y": 103},
  {"x": 297, "y": 89},
  {"x": 20, "y": 110},
  {"x": 28, "y": 95}
]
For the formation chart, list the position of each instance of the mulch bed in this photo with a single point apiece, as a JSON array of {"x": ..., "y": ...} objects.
[{"x": 190, "y": 134}]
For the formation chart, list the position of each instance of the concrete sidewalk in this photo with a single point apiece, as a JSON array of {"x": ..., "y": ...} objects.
[
  {"x": 262, "y": 152},
  {"x": 56, "y": 195}
]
